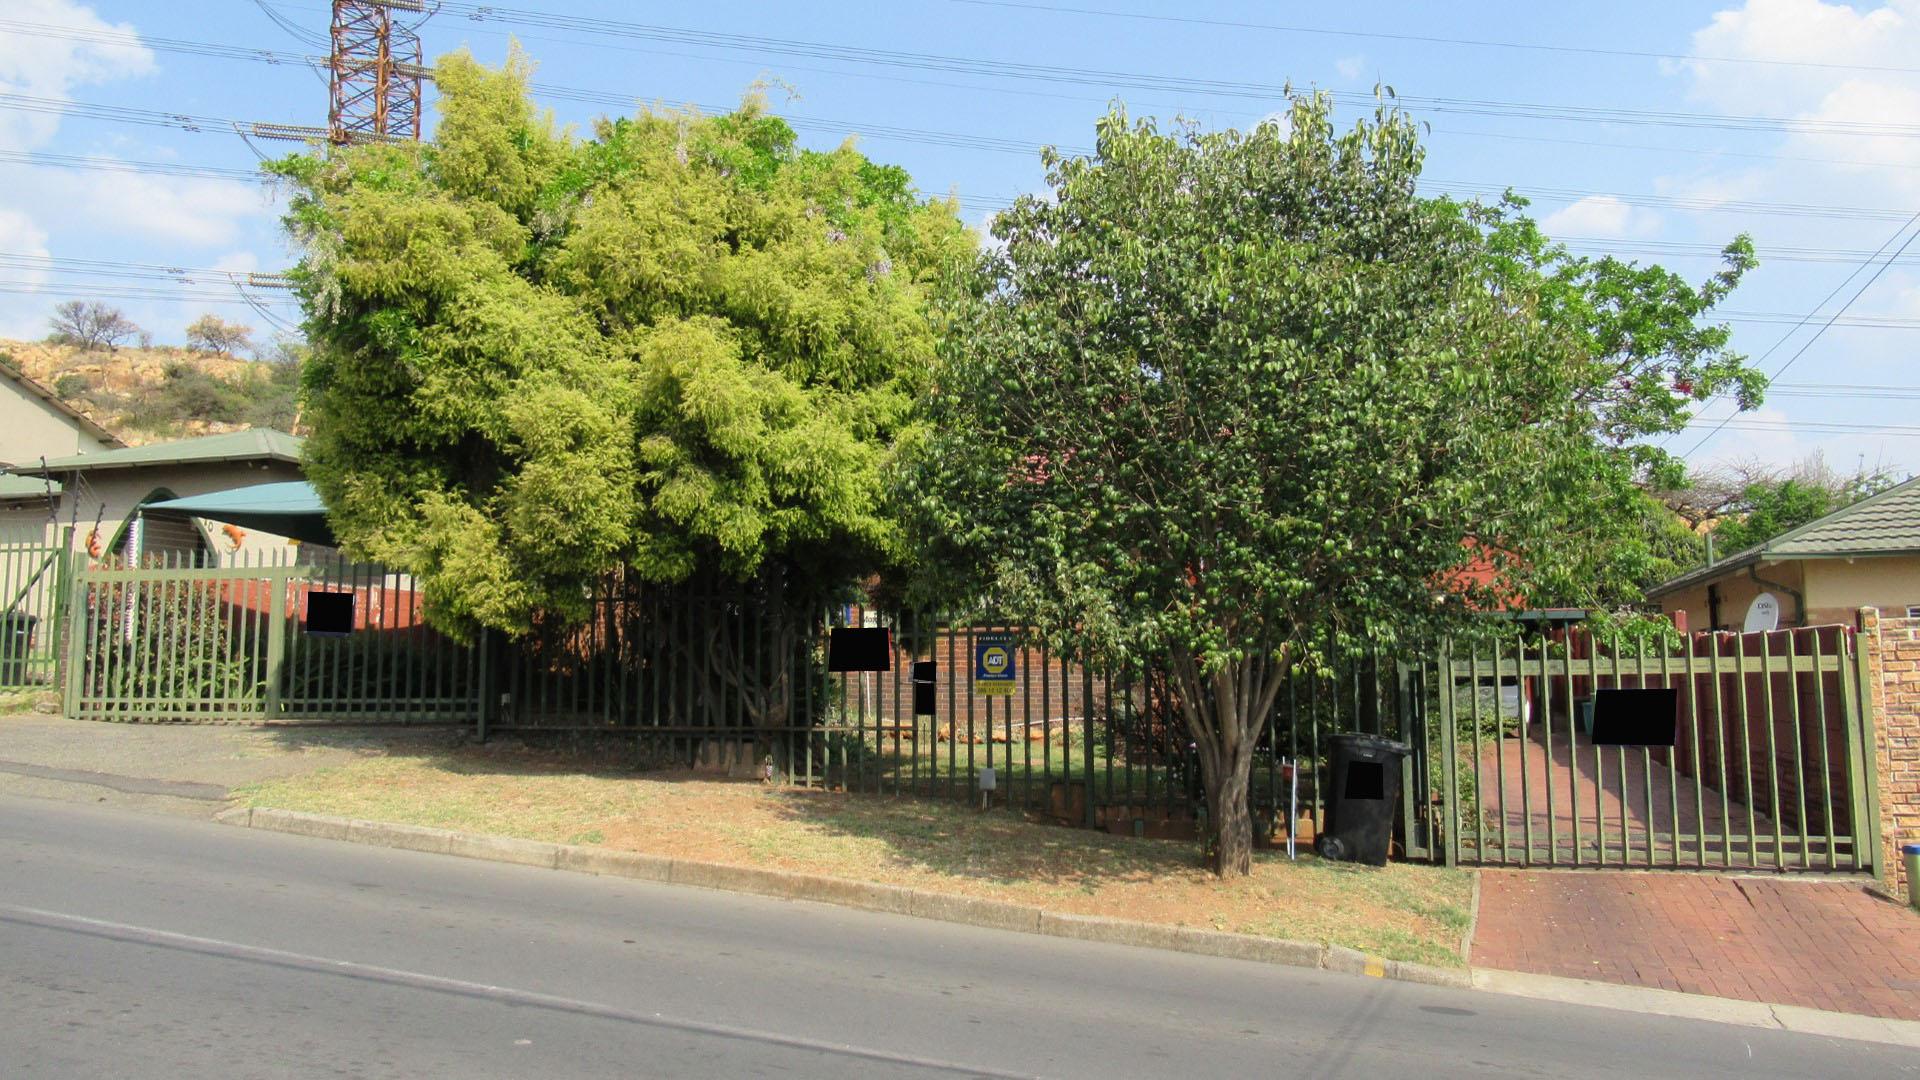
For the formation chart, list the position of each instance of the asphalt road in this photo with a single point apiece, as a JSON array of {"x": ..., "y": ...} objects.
[{"x": 135, "y": 945}]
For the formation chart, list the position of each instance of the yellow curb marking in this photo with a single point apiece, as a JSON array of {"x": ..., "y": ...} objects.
[{"x": 1375, "y": 968}]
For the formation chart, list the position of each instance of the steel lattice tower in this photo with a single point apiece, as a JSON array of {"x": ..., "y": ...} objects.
[{"x": 375, "y": 72}]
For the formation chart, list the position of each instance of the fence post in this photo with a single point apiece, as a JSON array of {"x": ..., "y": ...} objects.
[
  {"x": 489, "y": 684},
  {"x": 62, "y": 581},
  {"x": 1086, "y": 730},
  {"x": 276, "y": 640},
  {"x": 1410, "y": 766},
  {"x": 76, "y": 645},
  {"x": 1449, "y": 765}
]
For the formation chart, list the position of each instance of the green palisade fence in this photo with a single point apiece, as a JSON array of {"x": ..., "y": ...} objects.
[
  {"x": 723, "y": 677},
  {"x": 1770, "y": 766}
]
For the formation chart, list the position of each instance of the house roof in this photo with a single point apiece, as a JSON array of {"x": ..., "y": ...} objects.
[
  {"x": 291, "y": 508},
  {"x": 80, "y": 419},
  {"x": 25, "y": 487},
  {"x": 256, "y": 444},
  {"x": 1883, "y": 524}
]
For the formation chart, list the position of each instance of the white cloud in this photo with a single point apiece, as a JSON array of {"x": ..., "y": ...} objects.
[
  {"x": 1804, "y": 32},
  {"x": 1843, "y": 66},
  {"x": 1905, "y": 302},
  {"x": 20, "y": 236},
  {"x": 1601, "y": 216},
  {"x": 1761, "y": 434},
  {"x": 49, "y": 67},
  {"x": 1350, "y": 67},
  {"x": 180, "y": 210},
  {"x": 237, "y": 262}
]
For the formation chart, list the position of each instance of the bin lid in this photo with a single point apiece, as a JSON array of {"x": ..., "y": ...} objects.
[
  {"x": 1373, "y": 743},
  {"x": 1910, "y": 849}
]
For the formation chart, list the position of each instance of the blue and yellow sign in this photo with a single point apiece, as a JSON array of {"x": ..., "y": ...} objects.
[{"x": 993, "y": 666}]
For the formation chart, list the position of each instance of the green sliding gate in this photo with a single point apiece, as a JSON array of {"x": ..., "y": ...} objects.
[
  {"x": 177, "y": 640},
  {"x": 1770, "y": 768},
  {"x": 34, "y": 583}
]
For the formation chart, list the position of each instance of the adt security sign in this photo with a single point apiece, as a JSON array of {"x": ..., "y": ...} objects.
[{"x": 993, "y": 668}]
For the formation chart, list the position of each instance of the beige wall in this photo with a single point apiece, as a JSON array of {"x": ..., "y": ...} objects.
[
  {"x": 25, "y": 522},
  {"x": 1737, "y": 590},
  {"x": 112, "y": 494},
  {"x": 31, "y": 428},
  {"x": 1838, "y": 588},
  {"x": 1835, "y": 589}
]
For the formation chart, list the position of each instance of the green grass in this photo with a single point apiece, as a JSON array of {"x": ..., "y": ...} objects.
[{"x": 1405, "y": 911}]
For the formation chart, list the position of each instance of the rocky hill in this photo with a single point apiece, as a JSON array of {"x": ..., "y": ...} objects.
[{"x": 164, "y": 392}]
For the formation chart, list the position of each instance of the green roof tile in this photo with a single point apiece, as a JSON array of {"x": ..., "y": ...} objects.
[
  {"x": 252, "y": 445},
  {"x": 1884, "y": 524}
]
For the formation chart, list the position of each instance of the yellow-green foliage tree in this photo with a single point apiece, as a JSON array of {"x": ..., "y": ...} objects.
[{"x": 682, "y": 345}]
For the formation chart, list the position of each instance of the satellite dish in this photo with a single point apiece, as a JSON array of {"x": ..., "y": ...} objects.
[{"x": 1763, "y": 614}]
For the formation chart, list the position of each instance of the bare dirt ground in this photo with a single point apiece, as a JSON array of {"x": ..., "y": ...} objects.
[{"x": 1401, "y": 911}]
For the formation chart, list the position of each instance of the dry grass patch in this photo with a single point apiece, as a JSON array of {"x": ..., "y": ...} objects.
[{"x": 1405, "y": 912}]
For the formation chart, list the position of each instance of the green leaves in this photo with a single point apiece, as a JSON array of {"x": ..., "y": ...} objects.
[
  {"x": 1221, "y": 390},
  {"x": 683, "y": 344}
]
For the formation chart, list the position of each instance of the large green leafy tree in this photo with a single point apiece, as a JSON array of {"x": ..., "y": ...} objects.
[
  {"x": 682, "y": 346},
  {"x": 1648, "y": 354},
  {"x": 1219, "y": 393}
]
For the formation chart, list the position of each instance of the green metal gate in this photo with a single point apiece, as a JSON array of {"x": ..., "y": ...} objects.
[
  {"x": 1771, "y": 766},
  {"x": 34, "y": 584},
  {"x": 179, "y": 641}
]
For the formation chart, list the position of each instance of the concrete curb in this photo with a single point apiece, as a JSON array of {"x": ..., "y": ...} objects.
[
  {"x": 1642, "y": 999},
  {"x": 993, "y": 914},
  {"x": 1473, "y": 922},
  {"x": 946, "y": 907}
]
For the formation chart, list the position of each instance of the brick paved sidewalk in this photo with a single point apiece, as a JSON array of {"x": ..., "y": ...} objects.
[{"x": 1819, "y": 944}]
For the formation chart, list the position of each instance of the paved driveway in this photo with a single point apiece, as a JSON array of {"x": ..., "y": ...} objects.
[
  {"x": 179, "y": 768},
  {"x": 1784, "y": 940}
]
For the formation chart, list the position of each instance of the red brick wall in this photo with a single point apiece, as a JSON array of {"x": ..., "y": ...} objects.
[
  {"x": 1895, "y": 656},
  {"x": 1811, "y": 773},
  {"x": 1045, "y": 687}
]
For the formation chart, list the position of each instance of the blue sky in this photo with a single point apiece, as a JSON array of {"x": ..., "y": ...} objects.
[{"x": 1646, "y": 145}]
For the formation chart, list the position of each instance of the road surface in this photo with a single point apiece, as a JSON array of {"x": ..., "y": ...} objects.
[{"x": 136, "y": 945}]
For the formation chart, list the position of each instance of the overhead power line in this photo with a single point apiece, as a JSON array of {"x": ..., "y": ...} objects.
[
  {"x": 1037, "y": 72},
  {"x": 1880, "y": 269},
  {"x": 1846, "y": 391},
  {"x": 298, "y": 32},
  {"x": 154, "y": 168},
  {"x": 142, "y": 292},
  {"x": 1684, "y": 249},
  {"x": 943, "y": 138},
  {"x": 121, "y": 268},
  {"x": 1478, "y": 43},
  {"x": 1822, "y": 427},
  {"x": 1027, "y": 72}
]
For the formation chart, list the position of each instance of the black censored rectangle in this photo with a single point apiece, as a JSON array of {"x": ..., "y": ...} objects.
[
  {"x": 330, "y": 614},
  {"x": 1366, "y": 780},
  {"x": 859, "y": 648},
  {"x": 1635, "y": 717},
  {"x": 925, "y": 675}
]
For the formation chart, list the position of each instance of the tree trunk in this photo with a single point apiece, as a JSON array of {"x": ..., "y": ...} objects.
[{"x": 1231, "y": 824}]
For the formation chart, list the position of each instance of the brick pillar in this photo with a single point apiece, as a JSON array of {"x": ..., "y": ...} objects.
[{"x": 1893, "y": 650}]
